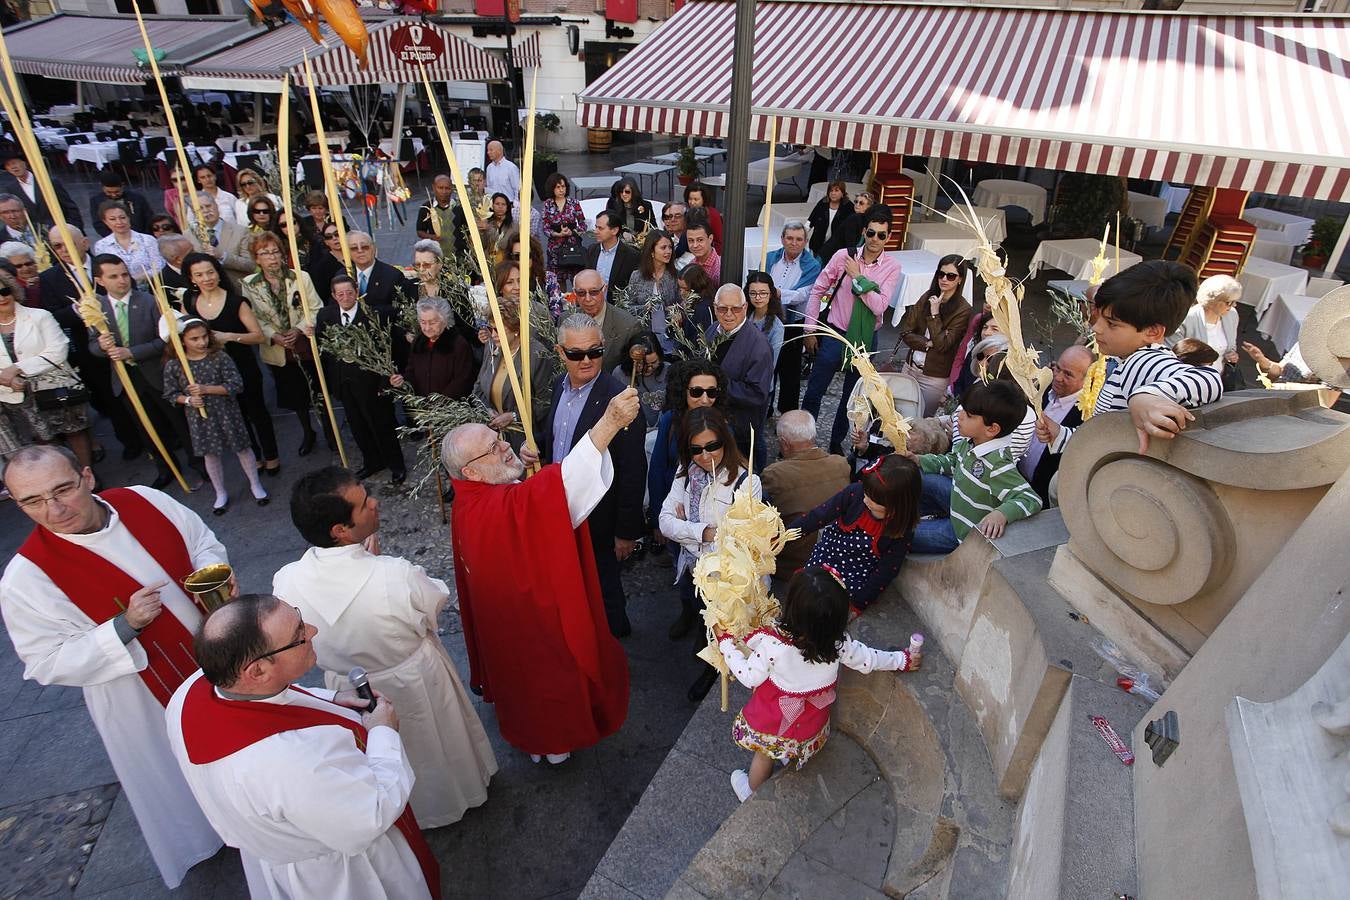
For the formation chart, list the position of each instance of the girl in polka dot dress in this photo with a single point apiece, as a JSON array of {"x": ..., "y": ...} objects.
[
  {"x": 792, "y": 669},
  {"x": 866, "y": 529}
]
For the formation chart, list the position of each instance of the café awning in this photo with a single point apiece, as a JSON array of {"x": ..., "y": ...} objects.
[
  {"x": 1247, "y": 101},
  {"x": 527, "y": 54},
  {"x": 77, "y": 47},
  {"x": 396, "y": 47}
]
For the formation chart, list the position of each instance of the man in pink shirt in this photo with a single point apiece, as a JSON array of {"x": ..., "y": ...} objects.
[
  {"x": 700, "y": 244},
  {"x": 861, "y": 282}
]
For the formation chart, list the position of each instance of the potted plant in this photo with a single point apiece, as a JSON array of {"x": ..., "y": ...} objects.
[
  {"x": 1325, "y": 231},
  {"x": 545, "y": 160},
  {"x": 688, "y": 165}
]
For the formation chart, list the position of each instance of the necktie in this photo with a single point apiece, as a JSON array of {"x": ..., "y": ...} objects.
[
  {"x": 346, "y": 318},
  {"x": 215, "y": 240},
  {"x": 361, "y": 283},
  {"x": 123, "y": 326}
]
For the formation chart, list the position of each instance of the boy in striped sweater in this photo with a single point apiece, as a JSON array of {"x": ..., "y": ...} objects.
[
  {"x": 1134, "y": 311},
  {"x": 976, "y": 485}
]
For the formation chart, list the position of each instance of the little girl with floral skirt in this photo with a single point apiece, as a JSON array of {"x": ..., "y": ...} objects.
[{"x": 792, "y": 670}]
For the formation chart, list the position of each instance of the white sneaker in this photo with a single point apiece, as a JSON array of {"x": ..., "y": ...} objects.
[
  {"x": 535, "y": 757},
  {"x": 558, "y": 758},
  {"x": 740, "y": 783}
]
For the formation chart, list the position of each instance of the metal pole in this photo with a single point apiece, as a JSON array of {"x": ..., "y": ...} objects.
[{"x": 738, "y": 144}]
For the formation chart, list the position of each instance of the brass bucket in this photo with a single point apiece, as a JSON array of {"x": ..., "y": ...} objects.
[{"x": 210, "y": 586}]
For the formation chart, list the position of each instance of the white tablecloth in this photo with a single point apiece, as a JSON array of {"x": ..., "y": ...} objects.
[
  {"x": 941, "y": 238},
  {"x": 1283, "y": 319},
  {"x": 754, "y": 243},
  {"x": 995, "y": 221},
  {"x": 387, "y": 145},
  {"x": 1274, "y": 246},
  {"x": 916, "y": 276},
  {"x": 1297, "y": 228},
  {"x": 1152, "y": 211},
  {"x": 1175, "y": 195},
  {"x": 99, "y": 154},
  {"x": 1001, "y": 192},
  {"x": 265, "y": 157},
  {"x": 1075, "y": 257},
  {"x": 782, "y": 213},
  {"x": 1263, "y": 281}
]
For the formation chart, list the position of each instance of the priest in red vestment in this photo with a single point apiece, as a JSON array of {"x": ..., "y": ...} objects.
[{"x": 539, "y": 644}]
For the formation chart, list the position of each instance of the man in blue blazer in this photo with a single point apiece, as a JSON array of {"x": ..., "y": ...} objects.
[{"x": 580, "y": 396}]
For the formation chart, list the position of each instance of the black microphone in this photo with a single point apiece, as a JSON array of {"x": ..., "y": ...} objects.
[{"x": 361, "y": 683}]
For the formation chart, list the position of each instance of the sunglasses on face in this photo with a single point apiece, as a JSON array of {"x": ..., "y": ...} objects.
[
  {"x": 948, "y": 276},
  {"x": 576, "y": 355},
  {"x": 697, "y": 392},
  {"x": 873, "y": 233},
  {"x": 672, "y": 215},
  {"x": 710, "y": 447},
  {"x": 260, "y": 211}
]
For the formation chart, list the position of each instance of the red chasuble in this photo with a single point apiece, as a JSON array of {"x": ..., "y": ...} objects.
[
  {"x": 101, "y": 590},
  {"x": 214, "y": 728},
  {"x": 534, "y": 620}
]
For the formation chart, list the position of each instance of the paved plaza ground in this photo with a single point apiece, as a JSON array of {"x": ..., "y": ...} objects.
[{"x": 67, "y": 830}]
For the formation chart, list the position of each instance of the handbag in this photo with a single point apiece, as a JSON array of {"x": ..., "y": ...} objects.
[
  {"x": 569, "y": 255},
  {"x": 63, "y": 396}
]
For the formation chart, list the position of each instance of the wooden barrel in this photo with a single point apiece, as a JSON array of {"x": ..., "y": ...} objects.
[{"x": 599, "y": 139}]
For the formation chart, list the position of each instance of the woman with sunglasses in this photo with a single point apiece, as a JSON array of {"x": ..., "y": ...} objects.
[
  {"x": 163, "y": 224},
  {"x": 280, "y": 296},
  {"x": 493, "y": 385},
  {"x": 628, "y": 210},
  {"x": 711, "y": 470},
  {"x": 932, "y": 329},
  {"x": 325, "y": 263},
  {"x": 204, "y": 177},
  {"x": 693, "y": 384},
  {"x": 251, "y": 185},
  {"x": 262, "y": 215},
  {"x": 213, "y": 299}
]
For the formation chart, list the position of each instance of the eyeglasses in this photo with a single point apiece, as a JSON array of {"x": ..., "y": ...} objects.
[
  {"x": 63, "y": 494},
  {"x": 713, "y": 393},
  {"x": 291, "y": 646},
  {"x": 873, "y": 233},
  {"x": 576, "y": 355},
  {"x": 760, "y": 295},
  {"x": 259, "y": 211},
  {"x": 594, "y": 292},
  {"x": 710, "y": 447},
  {"x": 161, "y": 227},
  {"x": 269, "y": 251},
  {"x": 671, "y": 215},
  {"x": 329, "y": 235},
  {"x": 948, "y": 276},
  {"x": 496, "y": 445},
  {"x": 26, "y": 265},
  {"x": 728, "y": 310}
]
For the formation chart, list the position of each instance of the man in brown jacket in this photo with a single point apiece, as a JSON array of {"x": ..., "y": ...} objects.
[{"x": 803, "y": 479}]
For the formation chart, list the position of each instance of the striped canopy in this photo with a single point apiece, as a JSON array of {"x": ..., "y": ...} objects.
[
  {"x": 394, "y": 50},
  {"x": 526, "y": 54},
  {"x": 1246, "y": 101}
]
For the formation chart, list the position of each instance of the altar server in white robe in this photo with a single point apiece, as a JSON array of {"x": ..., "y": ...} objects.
[
  {"x": 92, "y": 600},
  {"x": 313, "y": 794},
  {"x": 379, "y": 613}
]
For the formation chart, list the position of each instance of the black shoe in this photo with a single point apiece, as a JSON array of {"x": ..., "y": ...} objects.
[
  {"x": 98, "y": 454},
  {"x": 367, "y": 471},
  {"x": 220, "y": 510},
  {"x": 161, "y": 481},
  {"x": 307, "y": 445},
  {"x": 262, "y": 501},
  {"x": 130, "y": 453},
  {"x": 274, "y": 472},
  {"x": 699, "y": 689},
  {"x": 681, "y": 627},
  {"x": 398, "y": 477}
]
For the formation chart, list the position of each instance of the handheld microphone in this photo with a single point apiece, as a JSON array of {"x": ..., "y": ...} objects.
[{"x": 361, "y": 683}]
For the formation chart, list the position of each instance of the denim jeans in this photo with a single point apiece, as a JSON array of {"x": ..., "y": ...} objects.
[
  {"x": 829, "y": 358},
  {"x": 935, "y": 535}
]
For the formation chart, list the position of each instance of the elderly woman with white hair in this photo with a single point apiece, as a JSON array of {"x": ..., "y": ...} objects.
[
  {"x": 1214, "y": 320},
  {"x": 440, "y": 361},
  {"x": 22, "y": 258}
]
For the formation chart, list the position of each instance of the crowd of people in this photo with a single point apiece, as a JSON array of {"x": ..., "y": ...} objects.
[{"x": 654, "y": 383}]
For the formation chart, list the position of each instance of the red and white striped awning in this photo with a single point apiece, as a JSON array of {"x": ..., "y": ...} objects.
[
  {"x": 396, "y": 48},
  {"x": 527, "y": 54},
  {"x": 1248, "y": 101}
]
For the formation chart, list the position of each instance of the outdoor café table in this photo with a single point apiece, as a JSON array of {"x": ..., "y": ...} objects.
[
  {"x": 1075, "y": 257},
  {"x": 1150, "y": 210},
  {"x": 387, "y": 146},
  {"x": 994, "y": 221},
  {"x": 1263, "y": 280},
  {"x": 701, "y": 155},
  {"x": 1274, "y": 246},
  {"x": 1175, "y": 195},
  {"x": 1283, "y": 319},
  {"x": 916, "y": 276},
  {"x": 98, "y": 153},
  {"x": 586, "y": 184},
  {"x": 1297, "y": 228},
  {"x": 654, "y": 171},
  {"x": 1002, "y": 192},
  {"x": 941, "y": 238}
]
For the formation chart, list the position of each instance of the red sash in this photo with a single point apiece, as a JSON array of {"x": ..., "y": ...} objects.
[
  {"x": 214, "y": 728},
  {"x": 101, "y": 590}
]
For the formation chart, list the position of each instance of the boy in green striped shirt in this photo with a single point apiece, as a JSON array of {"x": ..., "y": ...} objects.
[{"x": 976, "y": 485}]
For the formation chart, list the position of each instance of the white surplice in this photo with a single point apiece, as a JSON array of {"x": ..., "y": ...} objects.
[
  {"x": 379, "y": 613},
  {"x": 586, "y": 475},
  {"x": 313, "y": 817},
  {"x": 59, "y": 644}
]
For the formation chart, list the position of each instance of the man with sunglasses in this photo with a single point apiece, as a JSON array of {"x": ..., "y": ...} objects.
[
  {"x": 92, "y": 599},
  {"x": 617, "y": 326},
  {"x": 580, "y": 397},
  {"x": 851, "y": 292},
  {"x": 540, "y": 648},
  {"x": 673, "y": 222},
  {"x": 311, "y": 787}
]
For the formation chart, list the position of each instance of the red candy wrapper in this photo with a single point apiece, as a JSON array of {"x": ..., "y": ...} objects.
[{"x": 1118, "y": 747}]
